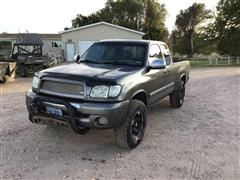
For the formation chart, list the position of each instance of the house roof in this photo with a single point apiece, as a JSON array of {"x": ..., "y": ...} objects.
[
  {"x": 29, "y": 39},
  {"x": 42, "y": 36},
  {"x": 102, "y": 23}
]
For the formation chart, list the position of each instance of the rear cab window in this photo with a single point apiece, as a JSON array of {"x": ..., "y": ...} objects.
[{"x": 166, "y": 54}]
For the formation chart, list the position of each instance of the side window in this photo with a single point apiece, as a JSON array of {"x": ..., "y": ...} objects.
[
  {"x": 166, "y": 54},
  {"x": 155, "y": 53},
  {"x": 56, "y": 44}
]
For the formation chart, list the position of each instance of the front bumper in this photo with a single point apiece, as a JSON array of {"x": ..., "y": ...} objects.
[{"x": 103, "y": 115}]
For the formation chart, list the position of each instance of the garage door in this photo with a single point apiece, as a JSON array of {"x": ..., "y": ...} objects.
[
  {"x": 84, "y": 45},
  {"x": 70, "y": 51}
]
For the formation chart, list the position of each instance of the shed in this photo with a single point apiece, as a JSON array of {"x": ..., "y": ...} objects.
[
  {"x": 78, "y": 40},
  {"x": 51, "y": 42}
]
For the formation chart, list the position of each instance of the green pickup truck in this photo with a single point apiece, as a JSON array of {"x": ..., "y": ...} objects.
[{"x": 110, "y": 86}]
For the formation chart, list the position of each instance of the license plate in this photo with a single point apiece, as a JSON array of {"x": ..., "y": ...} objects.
[{"x": 54, "y": 111}]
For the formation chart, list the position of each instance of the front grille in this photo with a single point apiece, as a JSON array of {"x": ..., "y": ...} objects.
[{"x": 62, "y": 88}]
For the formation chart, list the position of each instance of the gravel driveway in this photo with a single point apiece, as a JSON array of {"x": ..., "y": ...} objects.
[{"x": 201, "y": 140}]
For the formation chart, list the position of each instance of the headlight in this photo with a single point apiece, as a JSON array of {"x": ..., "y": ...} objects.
[
  {"x": 102, "y": 91},
  {"x": 114, "y": 91},
  {"x": 35, "y": 82}
]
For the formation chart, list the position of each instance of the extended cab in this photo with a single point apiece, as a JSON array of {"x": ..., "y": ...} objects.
[{"x": 110, "y": 86}]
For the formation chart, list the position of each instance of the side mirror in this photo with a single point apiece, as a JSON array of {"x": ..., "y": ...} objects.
[
  {"x": 76, "y": 57},
  {"x": 158, "y": 64}
]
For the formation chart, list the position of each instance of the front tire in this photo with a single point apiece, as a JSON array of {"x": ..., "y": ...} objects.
[
  {"x": 130, "y": 134},
  {"x": 177, "y": 97},
  {"x": 81, "y": 130}
]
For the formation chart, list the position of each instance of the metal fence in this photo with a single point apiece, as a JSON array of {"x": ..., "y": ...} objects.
[{"x": 222, "y": 60}]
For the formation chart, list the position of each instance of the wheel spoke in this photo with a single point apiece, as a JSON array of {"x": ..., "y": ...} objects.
[
  {"x": 137, "y": 124},
  {"x": 135, "y": 130}
]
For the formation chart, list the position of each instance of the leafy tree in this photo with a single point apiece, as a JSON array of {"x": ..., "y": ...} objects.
[
  {"x": 81, "y": 20},
  {"x": 154, "y": 24},
  {"x": 227, "y": 26},
  {"x": 187, "y": 23},
  {"x": 142, "y": 15}
]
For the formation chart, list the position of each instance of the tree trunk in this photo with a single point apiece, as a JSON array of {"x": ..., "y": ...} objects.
[{"x": 191, "y": 43}]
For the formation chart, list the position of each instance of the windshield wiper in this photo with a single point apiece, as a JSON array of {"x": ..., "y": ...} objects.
[
  {"x": 108, "y": 62},
  {"x": 89, "y": 61},
  {"x": 117, "y": 63}
]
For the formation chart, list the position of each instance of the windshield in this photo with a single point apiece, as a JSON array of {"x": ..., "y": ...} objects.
[{"x": 119, "y": 53}]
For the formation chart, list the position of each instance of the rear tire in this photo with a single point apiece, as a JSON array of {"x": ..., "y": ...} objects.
[
  {"x": 177, "y": 97},
  {"x": 130, "y": 134},
  {"x": 23, "y": 70}
]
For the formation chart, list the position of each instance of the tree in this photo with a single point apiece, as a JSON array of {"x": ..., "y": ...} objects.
[
  {"x": 141, "y": 15},
  {"x": 154, "y": 24},
  {"x": 187, "y": 23},
  {"x": 81, "y": 20},
  {"x": 227, "y": 26}
]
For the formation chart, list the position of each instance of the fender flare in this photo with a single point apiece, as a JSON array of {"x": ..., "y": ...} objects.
[
  {"x": 140, "y": 91},
  {"x": 182, "y": 77},
  {"x": 178, "y": 80}
]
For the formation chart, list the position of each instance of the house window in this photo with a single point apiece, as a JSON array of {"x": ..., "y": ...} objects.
[{"x": 56, "y": 44}]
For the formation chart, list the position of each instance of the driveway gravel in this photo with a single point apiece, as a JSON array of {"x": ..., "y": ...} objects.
[{"x": 201, "y": 140}]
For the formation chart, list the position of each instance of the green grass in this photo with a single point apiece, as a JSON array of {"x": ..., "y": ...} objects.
[
  {"x": 199, "y": 63},
  {"x": 206, "y": 64}
]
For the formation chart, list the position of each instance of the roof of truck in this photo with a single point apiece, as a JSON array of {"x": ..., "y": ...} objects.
[{"x": 132, "y": 40}]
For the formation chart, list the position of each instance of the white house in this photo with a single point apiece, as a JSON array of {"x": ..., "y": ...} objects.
[{"x": 78, "y": 40}]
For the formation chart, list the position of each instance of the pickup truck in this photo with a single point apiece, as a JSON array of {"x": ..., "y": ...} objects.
[{"x": 110, "y": 86}]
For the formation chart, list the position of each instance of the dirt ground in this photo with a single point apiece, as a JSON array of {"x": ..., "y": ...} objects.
[{"x": 201, "y": 140}]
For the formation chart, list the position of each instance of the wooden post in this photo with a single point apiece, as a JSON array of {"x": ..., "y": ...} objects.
[
  {"x": 238, "y": 60},
  {"x": 209, "y": 60},
  {"x": 228, "y": 60}
]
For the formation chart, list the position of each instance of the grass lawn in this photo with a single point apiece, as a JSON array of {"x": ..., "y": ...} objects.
[{"x": 206, "y": 64}]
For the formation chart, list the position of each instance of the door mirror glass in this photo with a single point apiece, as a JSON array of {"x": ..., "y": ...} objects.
[
  {"x": 76, "y": 57},
  {"x": 158, "y": 64}
]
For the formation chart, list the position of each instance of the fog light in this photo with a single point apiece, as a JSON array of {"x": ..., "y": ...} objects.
[{"x": 102, "y": 121}]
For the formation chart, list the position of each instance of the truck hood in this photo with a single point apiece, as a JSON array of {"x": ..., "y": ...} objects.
[{"x": 91, "y": 71}]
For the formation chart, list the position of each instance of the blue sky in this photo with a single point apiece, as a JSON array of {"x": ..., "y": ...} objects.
[{"x": 51, "y": 16}]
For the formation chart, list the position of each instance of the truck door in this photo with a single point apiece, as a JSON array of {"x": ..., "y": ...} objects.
[{"x": 158, "y": 84}]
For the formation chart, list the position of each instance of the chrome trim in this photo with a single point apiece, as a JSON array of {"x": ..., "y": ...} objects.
[
  {"x": 61, "y": 106},
  {"x": 162, "y": 88},
  {"x": 80, "y": 96},
  {"x": 76, "y": 105}
]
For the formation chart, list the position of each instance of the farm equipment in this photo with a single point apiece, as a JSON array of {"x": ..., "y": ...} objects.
[{"x": 27, "y": 52}]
